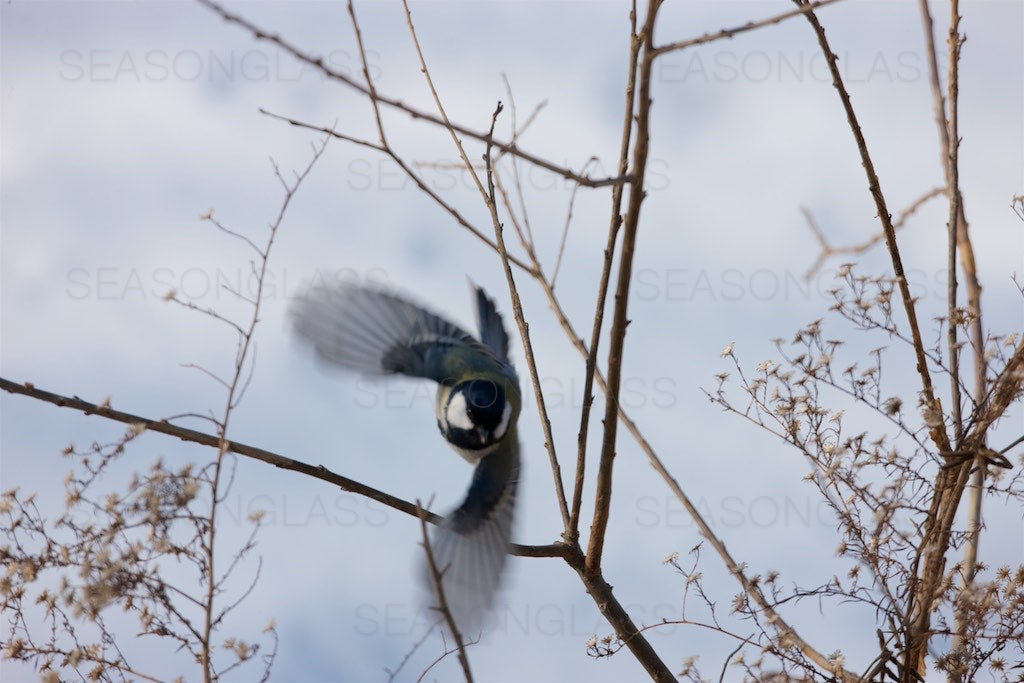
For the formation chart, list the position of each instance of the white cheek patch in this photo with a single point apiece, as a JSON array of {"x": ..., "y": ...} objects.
[
  {"x": 502, "y": 427},
  {"x": 456, "y": 413}
]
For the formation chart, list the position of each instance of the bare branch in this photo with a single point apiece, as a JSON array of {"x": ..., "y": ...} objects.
[
  {"x": 617, "y": 334},
  {"x": 517, "y": 308},
  {"x": 602, "y": 288},
  {"x": 408, "y": 655},
  {"x": 524, "y": 334},
  {"x": 828, "y": 251},
  {"x": 269, "y": 457},
  {"x": 938, "y": 434},
  {"x": 730, "y": 32},
  {"x": 386, "y": 148},
  {"x": 565, "y": 229},
  {"x": 319, "y": 64}
]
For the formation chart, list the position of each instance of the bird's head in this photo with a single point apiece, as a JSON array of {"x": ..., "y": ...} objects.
[{"x": 475, "y": 414}]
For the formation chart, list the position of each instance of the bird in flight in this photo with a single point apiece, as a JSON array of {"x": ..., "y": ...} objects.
[{"x": 376, "y": 332}]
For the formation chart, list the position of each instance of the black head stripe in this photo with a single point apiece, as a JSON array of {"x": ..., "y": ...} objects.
[
  {"x": 475, "y": 415},
  {"x": 485, "y": 401}
]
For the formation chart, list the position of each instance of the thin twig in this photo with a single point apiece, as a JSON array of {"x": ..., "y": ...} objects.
[
  {"x": 614, "y": 225},
  {"x": 437, "y": 660},
  {"x": 725, "y": 664},
  {"x": 325, "y": 130},
  {"x": 617, "y": 333},
  {"x": 565, "y": 229},
  {"x": 408, "y": 655},
  {"x": 335, "y": 75},
  {"x": 949, "y": 483},
  {"x": 829, "y": 251},
  {"x": 730, "y": 32},
  {"x": 235, "y": 389},
  {"x": 953, "y": 190},
  {"x": 524, "y": 333},
  {"x": 442, "y": 602},
  {"x": 445, "y": 122},
  {"x": 517, "y": 308},
  {"x": 938, "y": 434},
  {"x": 528, "y": 229},
  {"x": 966, "y": 248},
  {"x": 384, "y": 146}
]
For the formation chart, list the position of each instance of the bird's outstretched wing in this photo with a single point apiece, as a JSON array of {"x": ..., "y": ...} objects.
[
  {"x": 492, "y": 329},
  {"x": 471, "y": 545},
  {"x": 376, "y": 332}
]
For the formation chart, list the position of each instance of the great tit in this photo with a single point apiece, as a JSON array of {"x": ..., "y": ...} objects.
[{"x": 376, "y": 332}]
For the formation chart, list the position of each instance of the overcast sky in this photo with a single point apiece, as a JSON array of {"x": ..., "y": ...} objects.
[{"x": 122, "y": 123}]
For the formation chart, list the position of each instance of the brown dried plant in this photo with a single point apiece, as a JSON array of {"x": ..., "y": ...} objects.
[{"x": 147, "y": 549}]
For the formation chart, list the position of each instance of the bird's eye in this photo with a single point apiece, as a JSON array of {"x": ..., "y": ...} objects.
[{"x": 477, "y": 414}]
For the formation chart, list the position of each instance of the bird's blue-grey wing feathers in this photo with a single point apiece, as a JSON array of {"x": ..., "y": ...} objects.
[
  {"x": 492, "y": 329},
  {"x": 471, "y": 545},
  {"x": 375, "y": 332}
]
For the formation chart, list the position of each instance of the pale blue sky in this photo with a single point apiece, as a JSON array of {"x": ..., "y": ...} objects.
[{"x": 122, "y": 123}]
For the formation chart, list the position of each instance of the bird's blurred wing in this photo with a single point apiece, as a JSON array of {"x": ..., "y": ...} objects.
[
  {"x": 492, "y": 328},
  {"x": 376, "y": 332},
  {"x": 472, "y": 544}
]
